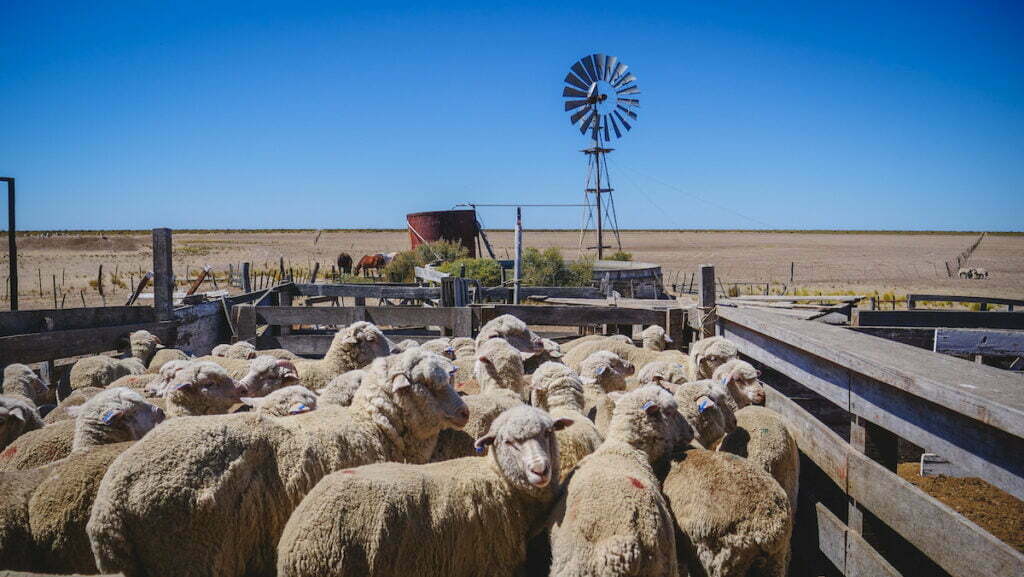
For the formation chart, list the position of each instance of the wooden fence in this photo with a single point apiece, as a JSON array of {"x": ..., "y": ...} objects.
[{"x": 971, "y": 414}]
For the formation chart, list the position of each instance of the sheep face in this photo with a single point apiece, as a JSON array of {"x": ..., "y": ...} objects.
[
  {"x": 203, "y": 388},
  {"x": 710, "y": 353},
  {"x": 144, "y": 345},
  {"x": 267, "y": 374},
  {"x": 441, "y": 347},
  {"x": 22, "y": 380},
  {"x": 463, "y": 346},
  {"x": 499, "y": 362},
  {"x": 292, "y": 400},
  {"x": 363, "y": 342},
  {"x": 741, "y": 380},
  {"x": 648, "y": 419},
  {"x": 655, "y": 338},
  {"x": 16, "y": 417},
  {"x": 606, "y": 369},
  {"x": 512, "y": 330},
  {"x": 543, "y": 377},
  {"x": 708, "y": 414},
  {"x": 420, "y": 383},
  {"x": 522, "y": 441},
  {"x": 158, "y": 386},
  {"x": 120, "y": 414},
  {"x": 662, "y": 373}
]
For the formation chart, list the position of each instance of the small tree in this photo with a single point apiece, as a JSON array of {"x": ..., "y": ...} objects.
[{"x": 621, "y": 255}]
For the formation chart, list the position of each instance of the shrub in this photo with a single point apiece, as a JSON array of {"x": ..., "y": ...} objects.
[
  {"x": 548, "y": 268},
  {"x": 403, "y": 267},
  {"x": 621, "y": 255},
  {"x": 485, "y": 270}
]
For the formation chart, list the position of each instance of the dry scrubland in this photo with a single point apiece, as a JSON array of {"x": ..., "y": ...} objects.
[{"x": 830, "y": 262}]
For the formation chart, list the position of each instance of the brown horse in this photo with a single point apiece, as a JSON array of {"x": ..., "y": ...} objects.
[
  {"x": 377, "y": 262},
  {"x": 345, "y": 263}
]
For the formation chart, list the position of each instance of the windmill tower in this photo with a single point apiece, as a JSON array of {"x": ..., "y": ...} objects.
[{"x": 600, "y": 96}]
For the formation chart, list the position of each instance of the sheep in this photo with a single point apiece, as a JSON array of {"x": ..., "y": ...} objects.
[
  {"x": 353, "y": 347},
  {"x": 741, "y": 380},
  {"x": 54, "y": 512},
  {"x": 568, "y": 346},
  {"x": 239, "y": 350},
  {"x": 267, "y": 374},
  {"x": 655, "y": 338},
  {"x": 467, "y": 517},
  {"x": 17, "y": 417},
  {"x": 100, "y": 371},
  {"x": 542, "y": 377},
  {"x": 220, "y": 488},
  {"x": 499, "y": 373},
  {"x": 734, "y": 517},
  {"x": 144, "y": 345},
  {"x": 201, "y": 388},
  {"x": 404, "y": 345},
  {"x": 561, "y": 397},
  {"x": 707, "y": 354},
  {"x": 659, "y": 372},
  {"x": 602, "y": 373},
  {"x": 637, "y": 356},
  {"x": 463, "y": 380},
  {"x": 552, "y": 352},
  {"x": 463, "y": 347},
  {"x": 440, "y": 346},
  {"x": 342, "y": 388},
  {"x": 512, "y": 330},
  {"x": 709, "y": 416},
  {"x": 21, "y": 380},
  {"x": 39, "y": 446},
  {"x": 292, "y": 400},
  {"x": 76, "y": 398},
  {"x": 164, "y": 356},
  {"x": 612, "y": 519}
]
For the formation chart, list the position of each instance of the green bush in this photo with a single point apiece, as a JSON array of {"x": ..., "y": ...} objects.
[
  {"x": 548, "y": 268},
  {"x": 621, "y": 255},
  {"x": 485, "y": 270},
  {"x": 403, "y": 267}
]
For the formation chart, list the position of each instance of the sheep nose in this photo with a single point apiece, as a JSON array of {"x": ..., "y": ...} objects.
[
  {"x": 539, "y": 469},
  {"x": 461, "y": 416}
]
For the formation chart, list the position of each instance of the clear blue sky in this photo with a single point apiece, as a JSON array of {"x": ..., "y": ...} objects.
[{"x": 269, "y": 115}]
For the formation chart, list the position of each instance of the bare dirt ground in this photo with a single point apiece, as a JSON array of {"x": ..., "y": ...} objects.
[{"x": 895, "y": 263}]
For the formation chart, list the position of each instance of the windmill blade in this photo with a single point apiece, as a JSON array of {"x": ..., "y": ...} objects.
[
  {"x": 579, "y": 114},
  {"x": 629, "y": 90},
  {"x": 586, "y": 123},
  {"x": 615, "y": 125},
  {"x": 574, "y": 104},
  {"x": 620, "y": 69},
  {"x": 572, "y": 79},
  {"x": 609, "y": 67},
  {"x": 599, "y": 60},
  {"x": 624, "y": 80},
  {"x": 578, "y": 69},
  {"x": 567, "y": 91},
  {"x": 623, "y": 120},
  {"x": 606, "y": 137},
  {"x": 630, "y": 101},
  {"x": 627, "y": 111},
  {"x": 588, "y": 63}
]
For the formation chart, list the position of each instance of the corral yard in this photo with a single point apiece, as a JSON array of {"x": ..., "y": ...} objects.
[{"x": 895, "y": 263}]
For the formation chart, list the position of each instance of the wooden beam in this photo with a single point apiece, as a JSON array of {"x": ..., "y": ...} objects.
[
  {"x": 801, "y": 299},
  {"x": 847, "y": 550},
  {"x": 368, "y": 290},
  {"x": 25, "y": 322},
  {"x": 934, "y": 318},
  {"x": 449, "y": 317},
  {"x": 46, "y": 346},
  {"x": 574, "y": 315},
  {"x": 163, "y": 274},
  {"x": 922, "y": 338},
  {"x": 979, "y": 342},
  {"x": 912, "y": 299}
]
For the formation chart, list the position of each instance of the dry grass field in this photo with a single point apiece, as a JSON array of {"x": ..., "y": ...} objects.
[{"x": 895, "y": 263}]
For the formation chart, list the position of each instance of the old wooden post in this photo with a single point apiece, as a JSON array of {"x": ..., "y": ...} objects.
[
  {"x": 706, "y": 301},
  {"x": 12, "y": 245},
  {"x": 517, "y": 270},
  {"x": 284, "y": 299},
  {"x": 246, "y": 278},
  {"x": 163, "y": 274},
  {"x": 792, "y": 266},
  {"x": 314, "y": 273},
  {"x": 881, "y": 446}
]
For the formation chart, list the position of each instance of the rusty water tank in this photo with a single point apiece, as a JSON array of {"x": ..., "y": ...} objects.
[{"x": 451, "y": 225}]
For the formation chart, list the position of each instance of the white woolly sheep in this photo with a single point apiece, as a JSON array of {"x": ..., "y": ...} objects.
[
  {"x": 570, "y": 345},
  {"x": 22, "y": 381},
  {"x": 655, "y": 338},
  {"x": 342, "y": 388},
  {"x": 113, "y": 416},
  {"x": 17, "y": 417},
  {"x": 466, "y": 517},
  {"x": 709, "y": 416},
  {"x": 542, "y": 377},
  {"x": 463, "y": 347},
  {"x": 512, "y": 330},
  {"x": 39, "y": 446},
  {"x": 658, "y": 372},
  {"x": 612, "y": 519},
  {"x": 442, "y": 346},
  {"x": 602, "y": 372},
  {"x": 637, "y": 356},
  {"x": 201, "y": 388},
  {"x": 220, "y": 488},
  {"x": 267, "y": 374},
  {"x": 552, "y": 352},
  {"x": 100, "y": 371},
  {"x": 741, "y": 380},
  {"x": 353, "y": 347},
  {"x": 735, "y": 517},
  {"x": 240, "y": 350},
  {"x": 562, "y": 397},
  {"x": 144, "y": 345},
  {"x": 707, "y": 354},
  {"x": 499, "y": 366},
  {"x": 293, "y": 400},
  {"x": 404, "y": 345}
]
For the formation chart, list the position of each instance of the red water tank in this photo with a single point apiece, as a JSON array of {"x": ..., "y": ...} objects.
[{"x": 451, "y": 225}]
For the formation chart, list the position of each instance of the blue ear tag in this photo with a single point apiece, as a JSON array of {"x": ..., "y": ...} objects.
[
  {"x": 109, "y": 416},
  {"x": 479, "y": 449},
  {"x": 302, "y": 408},
  {"x": 648, "y": 405},
  {"x": 703, "y": 406}
]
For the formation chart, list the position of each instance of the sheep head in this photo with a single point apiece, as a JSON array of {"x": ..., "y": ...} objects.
[
  {"x": 267, "y": 374},
  {"x": 655, "y": 338},
  {"x": 291, "y": 400},
  {"x": 144, "y": 345},
  {"x": 709, "y": 354},
  {"x": 663, "y": 374},
  {"x": 607, "y": 370},
  {"x": 512, "y": 330},
  {"x": 20, "y": 379},
  {"x": 201, "y": 388},
  {"x": 541, "y": 379},
  {"x": 523, "y": 443},
  {"x": 706, "y": 411},
  {"x": 648, "y": 419},
  {"x": 359, "y": 343},
  {"x": 741, "y": 380},
  {"x": 499, "y": 366},
  {"x": 16, "y": 417},
  {"x": 441, "y": 347},
  {"x": 113, "y": 416},
  {"x": 420, "y": 383},
  {"x": 158, "y": 386}
]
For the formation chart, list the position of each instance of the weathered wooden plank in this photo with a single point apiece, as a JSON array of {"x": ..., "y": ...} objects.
[
  {"x": 863, "y": 561},
  {"x": 934, "y": 318},
  {"x": 574, "y": 315},
  {"x": 51, "y": 345},
  {"x": 24, "y": 322},
  {"x": 368, "y": 290},
  {"x": 390, "y": 316},
  {"x": 832, "y": 537},
  {"x": 979, "y": 342},
  {"x": 429, "y": 274},
  {"x": 820, "y": 444},
  {"x": 933, "y": 465},
  {"x": 913, "y": 299},
  {"x": 922, "y": 338},
  {"x": 163, "y": 274},
  {"x": 800, "y": 299}
]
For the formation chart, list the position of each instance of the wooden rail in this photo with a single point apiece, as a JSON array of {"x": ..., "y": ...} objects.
[
  {"x": 913, "y": 299},
  {"x": 971, "y": 414},
  {"x": 937, "y": 318}
]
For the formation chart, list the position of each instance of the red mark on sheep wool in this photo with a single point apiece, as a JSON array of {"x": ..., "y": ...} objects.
[
  {"x": 636, "y": 482},
  {"x": 348, "y": 472},
  {"x": 9, "y": 453}
]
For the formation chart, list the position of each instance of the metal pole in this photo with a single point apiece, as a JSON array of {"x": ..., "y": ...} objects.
[
  {"x": 12, "y": 245},
  {"x": 597, "y": 164},
  {"x": 517, "y": 270}
]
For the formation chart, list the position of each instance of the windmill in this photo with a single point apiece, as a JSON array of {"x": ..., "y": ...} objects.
[{"x": 601, "y": 97}]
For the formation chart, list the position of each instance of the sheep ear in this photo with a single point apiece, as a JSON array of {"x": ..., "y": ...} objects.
[
  {"x": 704, "y": 403},
  {"x": 616, "y": 396},
  {"x": 652, "y": 408},
  {"x": 562, "y": 423},
  {"x": 399, "y": 382},
  {"x": 18, "y": 413},
  {"x": 601, "y": 369},
  {"x": 758, "y": 373},
  {"x": 111, "y": 416},
  {"x": 483, "y": 442},
  {"x": 555, "y": 354},
  {"x": 668, "y": 339}
]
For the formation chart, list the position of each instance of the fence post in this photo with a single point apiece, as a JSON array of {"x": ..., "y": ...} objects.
[
  {"x": 462, "y": 322},
  {"x": 519, "y": 255},
  {"x": 706, "y": 301},
  {"x": 163, "y": 275},
  {"x": 284, "y": 299},
  {"x": 882, "y": 447},
  {"x": 675, "y": 323},
  {"x": 245, "y": 321},
  {"x": 316, "y": 271},
  {"x": 246, "y": 280},
  {"x": 12, "y": 245}
]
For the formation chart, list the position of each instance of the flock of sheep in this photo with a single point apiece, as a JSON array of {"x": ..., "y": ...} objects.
[{"x": 504, "y": 455}]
